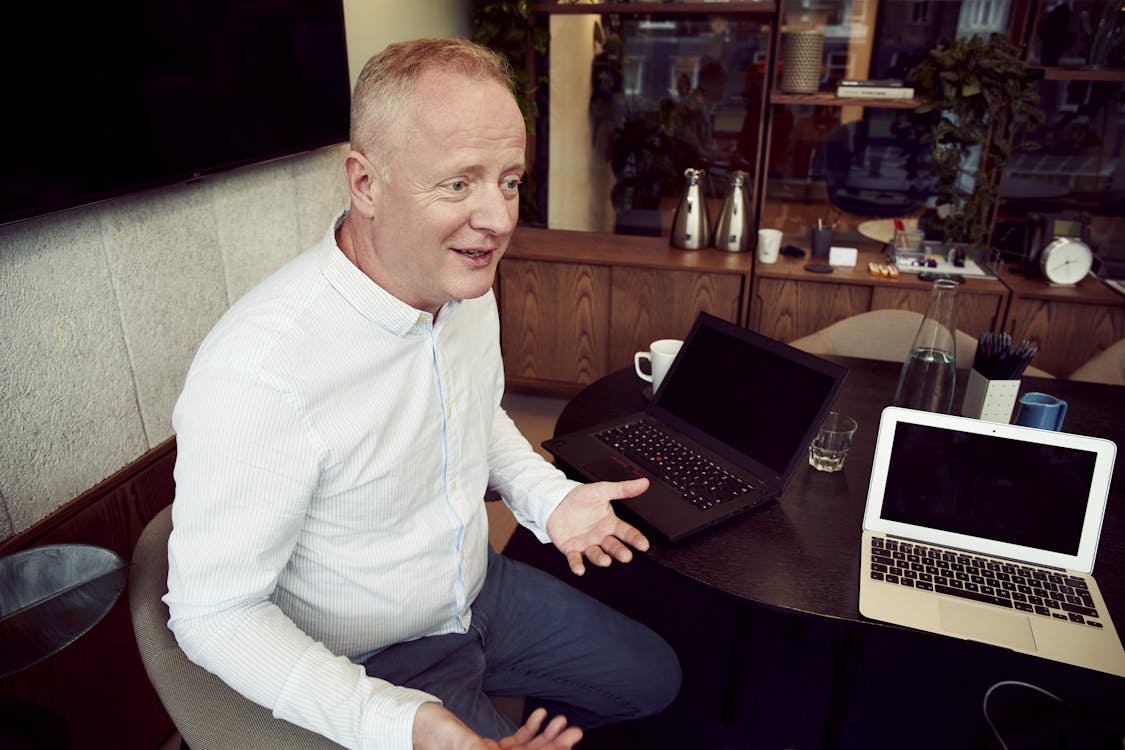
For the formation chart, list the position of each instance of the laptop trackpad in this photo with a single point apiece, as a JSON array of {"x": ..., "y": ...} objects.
[
  {"x": 999, "y": 628},
  {"x": 611, "y": 469}
]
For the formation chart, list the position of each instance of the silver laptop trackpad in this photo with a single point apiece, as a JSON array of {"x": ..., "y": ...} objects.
[{"x": 980, "y": 623}]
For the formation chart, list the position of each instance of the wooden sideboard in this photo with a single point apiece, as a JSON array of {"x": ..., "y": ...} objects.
[{"x": 575, "y": 306}]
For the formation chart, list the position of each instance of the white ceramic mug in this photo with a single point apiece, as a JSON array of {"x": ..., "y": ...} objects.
[
  {"x": 659, "y": 355},
  {"x": 769, "y": 245}
]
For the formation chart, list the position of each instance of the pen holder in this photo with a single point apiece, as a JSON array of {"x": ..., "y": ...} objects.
[{"x": 990, "y": 400}]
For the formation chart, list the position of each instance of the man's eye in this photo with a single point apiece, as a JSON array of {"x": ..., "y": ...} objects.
[
  {"x": 512, "y": 183},
  {"x": 458, "y": 185}
]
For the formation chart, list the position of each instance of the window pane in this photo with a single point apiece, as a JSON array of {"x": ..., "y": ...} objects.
[
  {"x": 1079, "y": 33},
  {"x": 842, "y": 171},
  {"x": 849, "y": 165},
  {"x": 1078, "y": 167},
  {"x": 664, "y": 94}
]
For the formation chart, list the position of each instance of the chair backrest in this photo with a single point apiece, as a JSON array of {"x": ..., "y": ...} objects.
[
  {"x": 883, "y": 335},
  {"x": 1107, "y": 367},
  {"x": 208, "y": 713},
  {"x": 878, "y": 334}
]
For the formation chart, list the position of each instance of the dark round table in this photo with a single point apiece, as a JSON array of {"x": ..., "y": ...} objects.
[
  {"x": 764, "y": 608},
  {"x": 801, "y": 554}
]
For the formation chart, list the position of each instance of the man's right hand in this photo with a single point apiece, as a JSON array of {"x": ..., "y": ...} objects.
[{"x": 436, "y": 728}]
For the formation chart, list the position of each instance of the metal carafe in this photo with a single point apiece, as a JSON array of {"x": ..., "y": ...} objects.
[
  {"x": 691, "y": 229},
  {"x": 732, "y": 230}
]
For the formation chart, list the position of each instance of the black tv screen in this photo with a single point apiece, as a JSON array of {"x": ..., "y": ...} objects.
[{"x": 102, "y": 99}]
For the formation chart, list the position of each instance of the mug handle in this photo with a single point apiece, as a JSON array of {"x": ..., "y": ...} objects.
[
  {"x": 1061, "y": 416},
  {"x": 637, "y": 365}
]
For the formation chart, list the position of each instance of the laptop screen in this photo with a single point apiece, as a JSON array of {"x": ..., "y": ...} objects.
[
  {"x": 991, "y": 487},
  {"x": 756, "y": 395}
]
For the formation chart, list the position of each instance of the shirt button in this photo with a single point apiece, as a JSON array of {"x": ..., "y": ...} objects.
[{"x": 453, "y": 486}]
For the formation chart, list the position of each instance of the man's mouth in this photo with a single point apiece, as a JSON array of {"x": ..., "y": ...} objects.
[{"x": 473, "y": 253}]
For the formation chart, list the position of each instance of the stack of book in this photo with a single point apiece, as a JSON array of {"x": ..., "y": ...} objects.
[{"x": 886, "y": 89}]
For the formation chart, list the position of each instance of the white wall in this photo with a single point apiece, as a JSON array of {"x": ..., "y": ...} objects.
[
  {"x": 102, "y": 307},
  {"x": 579, "y": 179},
  {"x": 373, "y": 24}
]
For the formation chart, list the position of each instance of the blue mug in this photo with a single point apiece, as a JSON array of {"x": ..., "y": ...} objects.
[{"x": 1041, "y": 410}]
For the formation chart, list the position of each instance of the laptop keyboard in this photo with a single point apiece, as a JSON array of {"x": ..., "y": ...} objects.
[
  {"x": 1004, "y": 583},
  {"x": 700, "y": 481}
]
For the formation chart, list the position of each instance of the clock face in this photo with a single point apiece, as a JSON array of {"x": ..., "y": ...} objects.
[{"x": 1066, "y": 261}]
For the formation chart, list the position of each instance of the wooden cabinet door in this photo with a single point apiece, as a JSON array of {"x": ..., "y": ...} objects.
[
  {"x": 785, "y": 309},
  {"x": 568, "y": 324},
  {"x": 554, "y": 320},
  {"x": 649, "y": 304},
  {"x": 1067, "y": 333}
]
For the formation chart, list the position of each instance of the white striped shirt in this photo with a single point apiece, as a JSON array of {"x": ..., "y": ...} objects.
[{"x": 334, "y": 447}]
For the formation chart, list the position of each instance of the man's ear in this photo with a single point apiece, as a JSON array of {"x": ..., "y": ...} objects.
[{"x": 363, "y": 183}]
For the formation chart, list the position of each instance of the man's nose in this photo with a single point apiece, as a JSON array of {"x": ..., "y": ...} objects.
[{"x": 494, "y": 212}]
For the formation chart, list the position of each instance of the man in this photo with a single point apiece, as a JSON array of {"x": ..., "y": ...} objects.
[{"x": 338, "y": 430}]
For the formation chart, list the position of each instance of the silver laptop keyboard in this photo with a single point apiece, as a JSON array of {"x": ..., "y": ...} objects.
[
  {"x": 701, "y": 482},
  {"x": 1004, "y": 583}
]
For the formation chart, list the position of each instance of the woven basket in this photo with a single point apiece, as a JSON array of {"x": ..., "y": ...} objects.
[{"x": 802, "y": 55}]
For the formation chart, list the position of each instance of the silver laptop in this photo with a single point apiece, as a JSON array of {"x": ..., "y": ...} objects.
[{"x": 988, "y": 532}]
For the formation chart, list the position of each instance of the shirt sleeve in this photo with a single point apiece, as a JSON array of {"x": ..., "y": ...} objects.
[
  {"x": 245, "y": 472},
  {"x": 530, "y": 486}
]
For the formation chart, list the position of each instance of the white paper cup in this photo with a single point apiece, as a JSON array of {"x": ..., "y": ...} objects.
[{"x": 769, "y": 245}]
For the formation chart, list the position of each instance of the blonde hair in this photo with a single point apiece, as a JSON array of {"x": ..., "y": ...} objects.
[{"x": 383, "y": 93}]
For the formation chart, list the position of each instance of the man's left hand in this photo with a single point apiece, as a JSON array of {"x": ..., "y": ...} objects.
[{"x": 584, "y": 524}]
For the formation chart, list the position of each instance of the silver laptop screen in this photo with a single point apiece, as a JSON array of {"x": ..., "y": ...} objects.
[{"x": 991, "y": 487}]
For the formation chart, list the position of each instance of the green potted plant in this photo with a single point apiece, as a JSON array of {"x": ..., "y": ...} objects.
[
  {"x": 980, "y": 101},
  {"x": 506, "y": 27}
]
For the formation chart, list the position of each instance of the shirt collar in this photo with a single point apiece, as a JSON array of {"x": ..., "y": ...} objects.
[{"x": 368, "y": 298}]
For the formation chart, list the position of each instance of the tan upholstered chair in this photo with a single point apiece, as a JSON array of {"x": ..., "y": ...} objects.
[
  {"x": 883, "y": 335},
  {"x": 208, "y": 714},
  {"x": 1107, "y": 367}
]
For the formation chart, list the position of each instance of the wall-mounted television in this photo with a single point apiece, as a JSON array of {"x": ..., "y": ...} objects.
[{"x": 103, "y": 99}]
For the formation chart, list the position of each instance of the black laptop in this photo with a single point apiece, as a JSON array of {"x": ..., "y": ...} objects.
[{"x": 725, "y": 433}]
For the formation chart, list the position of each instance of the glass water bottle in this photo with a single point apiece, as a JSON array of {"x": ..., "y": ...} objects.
[{"x": 930, "y": 371}]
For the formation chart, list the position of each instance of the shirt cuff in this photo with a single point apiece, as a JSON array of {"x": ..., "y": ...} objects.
[
  {"x": 549, "y": 494},
  {"x": 389, "y": 723}
]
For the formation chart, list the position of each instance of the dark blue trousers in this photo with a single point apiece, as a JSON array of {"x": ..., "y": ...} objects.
[{"x": 535, "y": 636}]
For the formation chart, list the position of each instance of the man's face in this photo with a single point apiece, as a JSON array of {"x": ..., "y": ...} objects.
[{"x": 444, "y": 218}]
